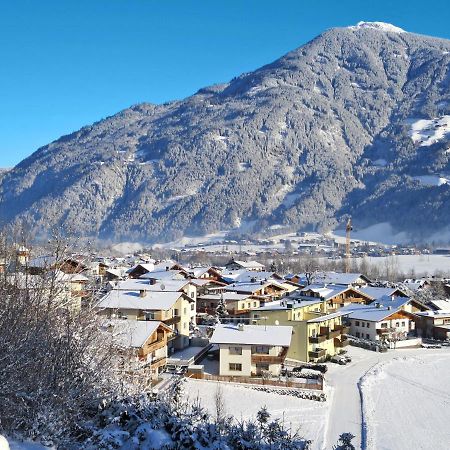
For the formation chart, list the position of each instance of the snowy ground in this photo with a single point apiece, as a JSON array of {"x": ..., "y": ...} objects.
[
  {"x": 404, "y": 391},
  {"x": 405, "y": 397},
  {"x": 307, "y": 416}
]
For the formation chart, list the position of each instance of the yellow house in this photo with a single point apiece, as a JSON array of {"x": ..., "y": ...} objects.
[
  {"x": 171, "y": 308},
  {"x": 316, "y": 334}
]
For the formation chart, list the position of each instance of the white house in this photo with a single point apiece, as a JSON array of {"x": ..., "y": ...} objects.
[{"x": 248, "y": 350}]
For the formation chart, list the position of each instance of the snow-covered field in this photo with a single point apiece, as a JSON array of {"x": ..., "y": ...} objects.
[
  {"x": 307, "y": 416},
  {"x": 420, "y": 264},
  {"x": 404, "y": 392},
  {"x": 407, "y": 403}
]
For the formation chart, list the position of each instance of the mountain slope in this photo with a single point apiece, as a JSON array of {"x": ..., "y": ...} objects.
[{"x": 325, "y": 131}]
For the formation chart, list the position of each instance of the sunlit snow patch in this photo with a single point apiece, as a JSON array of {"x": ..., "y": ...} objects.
[
  {"x": 427, "y": 132},
  {"x": 432, "y": 180}
]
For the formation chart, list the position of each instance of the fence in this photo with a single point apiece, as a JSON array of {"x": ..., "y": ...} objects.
[{"x": 309, "y": 384}]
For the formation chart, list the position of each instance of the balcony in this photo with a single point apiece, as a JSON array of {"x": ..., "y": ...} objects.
[
  {"x": 172, "y": 321},
  {"x": 334, "y": 333},
  {"x": 158, "y": 362},
  {"x": 318, "y": 353},
  {"x": 269, "y": 359},
  {"x": 344, "y": 329},
  {"x": 342, "y": 342},
  {"x": 317, "y": 339},
  {"x": 381, "y": 331},
  {"x": 155, "y": 346}
]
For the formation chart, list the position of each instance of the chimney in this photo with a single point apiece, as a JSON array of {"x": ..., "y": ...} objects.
[
  {"x": 240, "y": 327},
  {"x": 142, "y": 293},
  {"x": 378, "y": 305}
]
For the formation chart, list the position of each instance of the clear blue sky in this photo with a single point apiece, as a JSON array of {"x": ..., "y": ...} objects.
[{"x": 68, "y": 63}]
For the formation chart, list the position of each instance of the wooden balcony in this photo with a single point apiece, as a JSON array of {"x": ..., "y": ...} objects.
[
  {"x": 269, "y": 359},
  {"x": 334, "y": 333},
  {"x": 344, "y": 329},
  {"x": 317, "y": 339},
  {"x": 318, "y": 353},
  {"x": 381, "y": 331},
  {"x": 342, "y": 342},
  {"x": 172, "y": 321},
  {"x": 158, "y": 362},
  {"x": 155, "y": 346}
]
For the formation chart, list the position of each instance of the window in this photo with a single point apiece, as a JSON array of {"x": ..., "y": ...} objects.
[
  {"x": 192, "y": 307},
  {"x": 384, "y": 325},
  {"x": 149, "y": 316},
  {"x": 192, "y": 294},
  {"x": 363, "y": 324},
  {"x": 357, "y": 334},
  {"x": 368, "y": 325},
  {"x": 254, "y": 304},
  {"x": 262, "y": 349},
  {"x": 397, "y": 324},
  {"x": 249, "y": 305},
  {"x": 235, "y": 350},
  {"x": 235, "y": 367},
  {"x": 357, "y": 323},
  {"x": 256, "y": 316},
  {"x": 184, "y": 311},
  {"x": 262, "y": 366},
  {"x": 367, "y": 336},
  {"x": 184, "y": 325},
  {"x": 403, "y": 324}
]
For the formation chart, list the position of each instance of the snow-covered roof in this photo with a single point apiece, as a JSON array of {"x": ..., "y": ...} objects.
[
  {"x": 344, "y": 279},
  {"x": 440, "y": 305},
  {"x": 163, "y": 275},
  {"x": 227, "y": 296},
  {"x": 252, "y": 335},
  {"x": 437, "y": 314},
  {"x": 132, "y": 300},
  {"x": 325, "y": 317},
  {"x": 378, "y": 292},
  {"x": 132, "y": 333},
  {"x": 370, "y": 313},
  {"x": 325, "y": 291},
  {"x": 251, "y": 287},
  {"x": 248, "y": 264},
  {"x": 283, "y": 304},
  {"x": 137, "y": 284},
  {"x": 244, "y": 275}
]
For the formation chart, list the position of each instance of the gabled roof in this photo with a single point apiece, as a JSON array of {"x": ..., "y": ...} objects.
[
  {"x": 244, "y": 275},
  {"x": 137, "y": 284},
  {"x": 164, "y": 275},
  {"x": 153, "y": 301},
  {"x": 227, "y": 296},
  {"x": 133, "y": 333},
  {"x": 344, "y": 279},
  {"x": 247, "y": 264},
  {"x": 252, "y": 335},
  {"x": 328, "y": 291},
  {"x": 378, "y": 292},
  {"x": 370, "y": 313},
  {"x": 251, "y": 287}
]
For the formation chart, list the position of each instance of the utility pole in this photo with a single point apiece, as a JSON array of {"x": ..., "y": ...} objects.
[{"x": 348, "y": 229}]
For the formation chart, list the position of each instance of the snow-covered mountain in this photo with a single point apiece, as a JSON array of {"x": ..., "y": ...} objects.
[{"x": 354, "y": 122}]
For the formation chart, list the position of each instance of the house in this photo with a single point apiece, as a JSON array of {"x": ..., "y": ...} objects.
[
  {"x": 248, "y": 265},
  {"x": 249, "y": 350},
  {"x": 153, "y": 285},
  {"x": 376, "y": 322},
  {"x": 335, "y": 296},
  {"x": 264, "y": 290},
  {"x": 416, "y": 284},
  {"x": 335, "y": 278},
  {"x": 379, "y": 292},
  {"x": 144, "y": 344},
  {"x": 317, "y": 335},
  {"x": 172, "y": 308},
  {"x": 434, "y": 324},
  {"x": 238, "y": 305}
]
